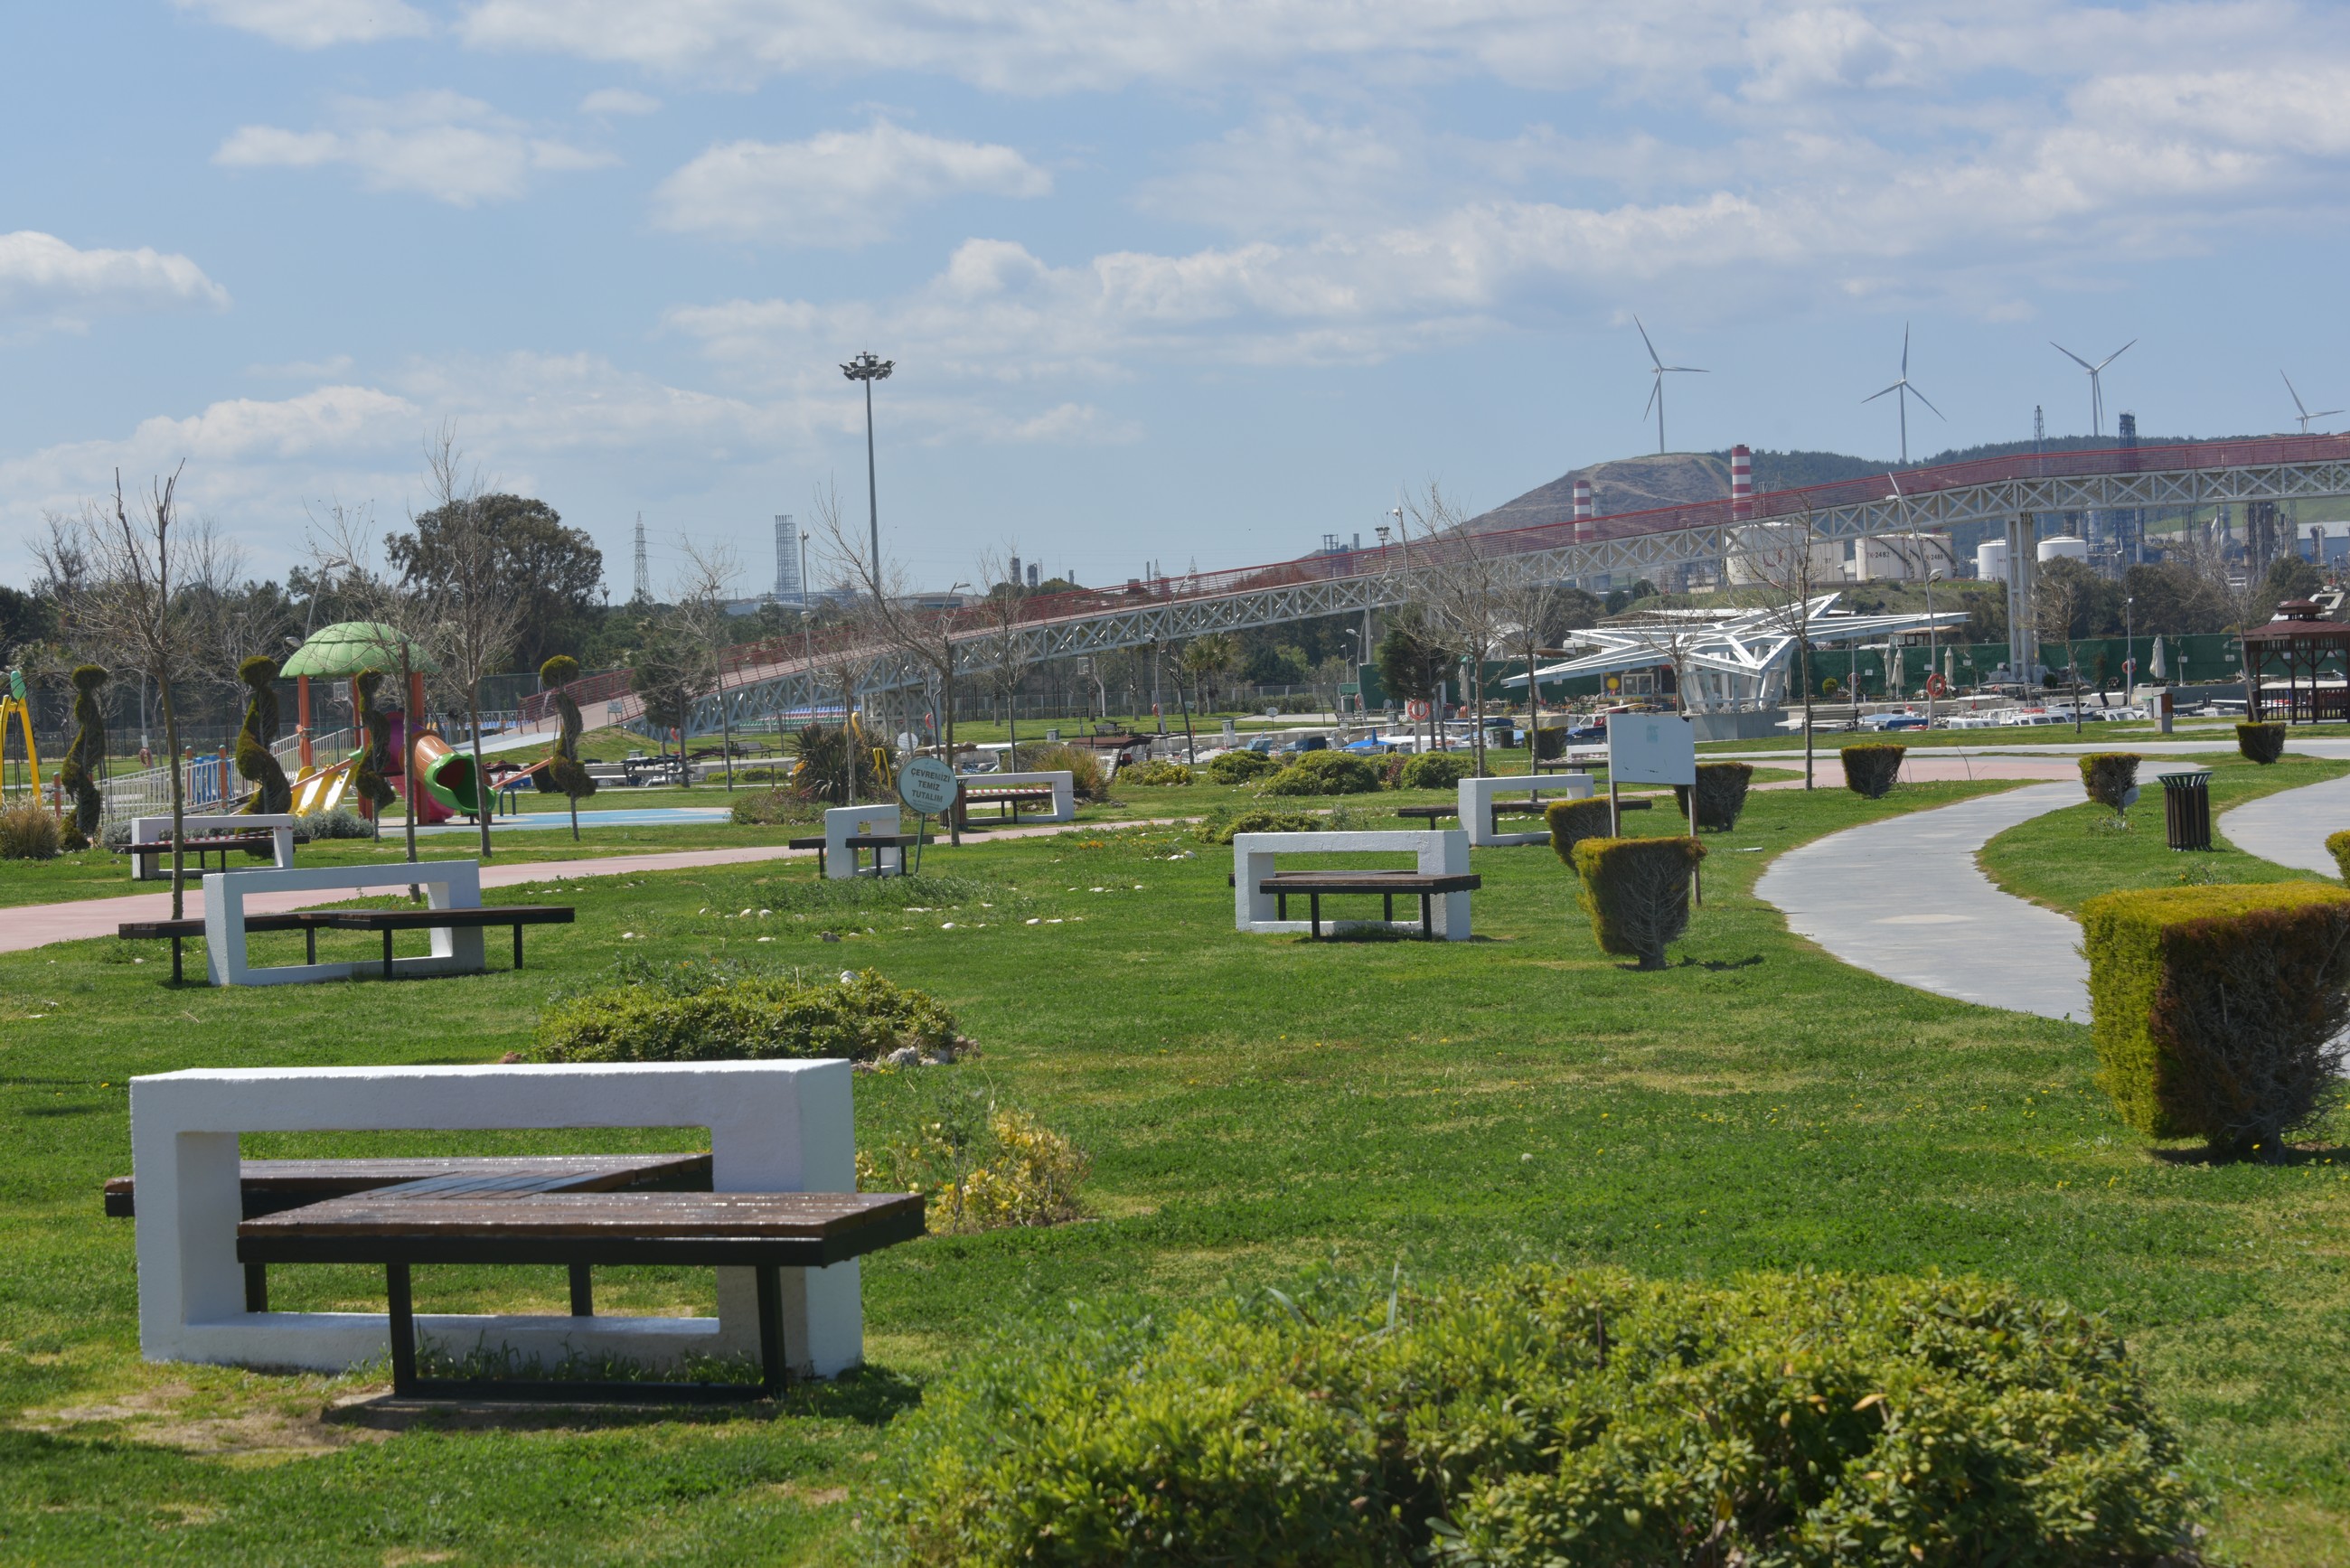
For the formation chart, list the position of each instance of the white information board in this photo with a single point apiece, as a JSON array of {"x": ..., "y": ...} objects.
[{"x": 1651, "y": 748}]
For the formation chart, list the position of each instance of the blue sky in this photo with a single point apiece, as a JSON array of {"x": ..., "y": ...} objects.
[{"x": 1165, "y": 279}]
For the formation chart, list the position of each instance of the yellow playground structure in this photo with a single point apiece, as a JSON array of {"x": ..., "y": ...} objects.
[{"x": 15, "y": 704}]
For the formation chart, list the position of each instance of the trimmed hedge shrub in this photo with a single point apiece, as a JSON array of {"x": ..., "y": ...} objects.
[
  {"x": 861, "y": 1016},
  {"x": 1237, "y": 767},
  {"x": 2338, "y": 846},
  {"x": 1324, "y": 773},
  {"x": 1573, "y": 821},
  {"x": 1436, "y": 770},
  {"x": 1162, "y": 774},
  {"x": 341, "y": 822},
  {"x": 2107, "y": 778},
  {"x": 2261, "y": 743},
  {"x": 1721, "y": 794},
  {"x": 1550, "y": 744},
  {"x": 1537, "y": 1415},
  {"x": 1871, "y": 770},
  {"x": 1637, "y": 893},
  {"x": 2217, "y": 1011}
]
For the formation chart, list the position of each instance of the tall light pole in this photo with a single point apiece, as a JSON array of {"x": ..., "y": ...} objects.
[{"x": 865, "y": 368}]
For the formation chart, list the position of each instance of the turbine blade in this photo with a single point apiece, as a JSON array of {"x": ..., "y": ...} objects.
[
  {"x": 1687, "y": 369},
  {"x": 1905, "y": 350},
  {"x": 2324, "y": 413},
  {"x": 1923, "y": 399},
  {"x": 2068, "y": 354},
  {"x": 2116, "y": 354},
  {"x": 1656, "y": 391},
  {"x": 1874, "y": 396},
  {"x": 2296, "y": 397},
  {"x": 1646, "y": 344}
]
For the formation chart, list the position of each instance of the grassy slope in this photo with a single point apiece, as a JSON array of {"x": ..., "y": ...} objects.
[
  {"x": 2068, "y": 856},
  {"x": 1252, "y": 1104}
]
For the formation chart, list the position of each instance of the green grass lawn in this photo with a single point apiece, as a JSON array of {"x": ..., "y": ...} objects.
[
  {"x": 2068, "y": 856},
  {"x": 1254, "y": 1107}
]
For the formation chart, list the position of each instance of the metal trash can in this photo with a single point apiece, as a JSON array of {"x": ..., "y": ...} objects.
[{"x": 2187, "y": 810}]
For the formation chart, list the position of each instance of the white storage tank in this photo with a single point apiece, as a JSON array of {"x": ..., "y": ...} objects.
[
  {"x": 1990, "y": 561},
  {"x": 2063, "y": 548}
]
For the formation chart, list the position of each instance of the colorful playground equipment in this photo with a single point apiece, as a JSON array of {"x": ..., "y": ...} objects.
[
  {"x": 15, "y": 704},
  {"x": 340, "y": 652}
]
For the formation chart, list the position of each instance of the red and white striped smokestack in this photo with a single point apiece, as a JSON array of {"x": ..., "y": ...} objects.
[
  {"x": 1583, "y": 510},
  {"x": 1742, "y": 482}
]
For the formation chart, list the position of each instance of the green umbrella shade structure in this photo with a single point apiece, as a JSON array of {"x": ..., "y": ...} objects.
[{"x": 347, "y": 646}]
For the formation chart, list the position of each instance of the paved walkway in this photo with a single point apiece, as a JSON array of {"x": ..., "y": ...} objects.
[
  {"x": 1904, "y": 899},
  {"x": 2290, "y": 825},
  {"x": 38, "y": 925}
]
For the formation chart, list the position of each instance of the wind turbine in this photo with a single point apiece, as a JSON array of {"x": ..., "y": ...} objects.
[
  {"x": 2097, "y": 390},
  {"x": 1658, "y": 372},
  {"x": 2306, "y": 415},
  {"x": 1902, "y": 391}
]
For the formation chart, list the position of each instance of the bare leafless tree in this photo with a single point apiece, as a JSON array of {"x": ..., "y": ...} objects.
[
  {"x": 145, "y": 585},
  {"x": 481, "y": 616},
  {"x": 923, "y": 635},
  {"x": 1533, "y": 618},
  {"x": 1783, "y": 557},
  {"x": 703, "y": 625},
  {"x": 1002, "y": 649},
  {"x": 1464, "y": 588}
]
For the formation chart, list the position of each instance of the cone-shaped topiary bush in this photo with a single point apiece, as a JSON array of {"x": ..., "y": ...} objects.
[
  {"x": 1721, "y": 794},
  {"x": 2261, "y": 743},
  {"x": 2109, "y": 777},
  {"x": 2218, "y": 1011},
  {"x": 1871, "y": 770},
  {"x": 1636, "y": 891},
  {"x": 1573, "y": 821}
]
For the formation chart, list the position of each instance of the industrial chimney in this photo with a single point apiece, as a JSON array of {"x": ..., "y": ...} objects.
[
  {"x": 789, "y": 590},
  {"x": 1742, "y": 482},
  {"x": 1583, "y": 510}
]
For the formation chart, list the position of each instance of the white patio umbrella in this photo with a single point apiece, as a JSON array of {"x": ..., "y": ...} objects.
[{"x": 2155, "y": 668}]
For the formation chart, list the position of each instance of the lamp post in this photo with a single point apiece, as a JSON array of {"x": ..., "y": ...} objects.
[
  {"x": 865, "y": 368},
  {"x": 2129, "y": 648},
  {"x": 1933, "y": 649}
]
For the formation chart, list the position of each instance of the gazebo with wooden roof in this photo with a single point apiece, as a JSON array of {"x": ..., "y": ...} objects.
[{"x": 2309, "y": 656}]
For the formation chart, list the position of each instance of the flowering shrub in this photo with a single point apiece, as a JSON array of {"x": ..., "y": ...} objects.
[{"x": 1006, "y": 1171}]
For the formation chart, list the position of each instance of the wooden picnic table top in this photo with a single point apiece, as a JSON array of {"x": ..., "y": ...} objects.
[
  {"x": 1007, "y": 792},
  {"x": 434, "y": 920},
  {"x": 271, "y": 1185},
  {"x": 251, "y": 837},
  {"x": 717, "y": 1229},
  {"x": 1413, "y": 882},
  {"x": 1512, "y": 807}
]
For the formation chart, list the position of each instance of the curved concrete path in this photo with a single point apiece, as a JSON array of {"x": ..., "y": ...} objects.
[
  {"x": 2290, "y": 826},
  {"x": 1904, "y": 899}
]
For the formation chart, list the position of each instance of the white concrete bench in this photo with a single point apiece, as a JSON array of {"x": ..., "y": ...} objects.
[
  {"x": 158, "y": 830},
  {"x": 448, "y": 885},
  {"x": 1477, "y": 797},
  {"x": 775, "y": 1126},
  {"x": 843, "y": 822},
  {"x": 1435, "y": 854},
  {"x": 982, "y": 789}
]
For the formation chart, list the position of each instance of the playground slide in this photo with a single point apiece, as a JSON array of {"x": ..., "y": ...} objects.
[
  {"x": 449, "y": 787},
  {"x": 323, "y": 789}
]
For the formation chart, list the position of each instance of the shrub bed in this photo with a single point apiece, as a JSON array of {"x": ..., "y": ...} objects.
[
  {"x": 772, "y": 808},
  {"x": 341, "y": 822},
  {"x": 2261, "y": 743},
  {"x": 1573, "y": 821},
  {"x": 1436, "y": 770},
  {"x": 1871, "y": 770},
  {"x": 729, "y": 1018},
  {"x": 2109, "y": 777},
  {"x": 1163, "y": 775},
  {"x": 2338, "y": 846},
  {"x": 997, "y": 1170},
  {"x": 1542, "y": 1416},
  {"x": 1721, "y": 794},
  {"x": 1237, "y": 767},
  {"x": 1636, "y": 891},
  {"x": 1221, "y": 827},
  {"x": 2217, "y": 1012},
  {"x": 1324, "y": 773}
]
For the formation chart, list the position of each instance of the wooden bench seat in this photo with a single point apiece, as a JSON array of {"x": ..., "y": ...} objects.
[
  {"x": 1011, "y": 798},
  {"x": 1505, "y": 808},
  {"x": 400, "y": 1227},
  {"x": 179, "y": 930},
  {"x": 1425, "y": 886},
  {"x": 223, "y": 845},
  {"x": 857, "y": 844},
  {"x": 391, "y": 921}
]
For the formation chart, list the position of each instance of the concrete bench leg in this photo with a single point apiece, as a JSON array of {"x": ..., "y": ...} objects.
[{"x": 583, "y": 1291}]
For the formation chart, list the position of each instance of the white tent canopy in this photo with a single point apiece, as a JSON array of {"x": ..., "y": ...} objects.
[{"x": 1731, "y": 656}]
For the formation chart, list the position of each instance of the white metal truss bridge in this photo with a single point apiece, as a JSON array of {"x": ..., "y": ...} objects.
[{"x": 788, "y": 675}]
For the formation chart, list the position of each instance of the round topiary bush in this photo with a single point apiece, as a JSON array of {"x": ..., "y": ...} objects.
[
  {"x": 2261, "y": 743},
  {"x": 1237, "y": 767},
  {"x": 1324, "y": 773},
  {"x": 1436, "y": 770},
  {"x": 1871, "y": 770},
  {"x": 1543, "y": 1416},
  {"x": 859, "y": 1015}
]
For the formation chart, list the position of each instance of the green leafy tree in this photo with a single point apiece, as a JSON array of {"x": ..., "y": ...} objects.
[{"x": 549, "y": 572}]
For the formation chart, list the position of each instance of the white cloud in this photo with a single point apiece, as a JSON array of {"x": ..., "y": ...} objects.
[
  {"x": 47, "y": 282},
  {"x": 607, "y": 102},
  {"x": 314, "y": 23},
  {"x": 439, "y": 144},
  {"x": 839, "y": 188}
]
